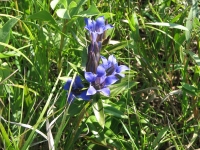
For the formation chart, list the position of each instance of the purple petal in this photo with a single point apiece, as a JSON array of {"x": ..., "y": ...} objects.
[
  {"x": 89, "y": 24},
  {"x": 91, "y": 91},
  {"x": 112, "y": 59},
  {"x": 90, "y": 77},
  {"x": 102, "y": 79},
  {"x": 100, "y": 24},
  {"x": 111, "y": 80},
  {"x": 100, "y": 71},
  {"x": 100, "y": 21},
  {"x": 84, "y": 96},
  {"x": 105, "y": 91},
  {"x": 121, "y": 68},
  {"x": 67, "y": 84},
  {"x": 78, "y": 83},
  {"x": 108, "y": 26},
  {"x": 104, "y": 62}
]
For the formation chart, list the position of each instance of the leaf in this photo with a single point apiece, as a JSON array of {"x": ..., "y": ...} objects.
[
  {"x": 189, "y": 89},
  {"x": 8, "y": 54},
  {"x": 75, "y": 10},
  {"x": 135, "y": 24},
  {"x": 121, "y": 86},
  {"x": 54, "y": 3},
  {"x": 72, "y": 5},
  {"x": 44, "y": 16},
  {"x": 118, "y": 46},
  {"x": 170, "y": 25},
  {"x": 27, "y": 97},
  {"x": 91, "y": 11},
  {"x": 96, "y": 130},
  {"x": 63, "y": 13},
  {"x": 99, "y": 111},
  {"x": 195, "y": 57},
  {"x": 73, "y": 66},
  {"x": 16, "y": 50},
  {"x": 5, "y": 31},
  {"x": 114, "y": 112},
  {"x": 190, "y": 19},
  {"x": 5, "y": 137},
  {"x": 127, "y": 131},
  {"x": 4, "y": 71},
  {"x": 28, "y": 31},
  {"x": 161, "y": 135},
  {"x": 106, "y": 15}
]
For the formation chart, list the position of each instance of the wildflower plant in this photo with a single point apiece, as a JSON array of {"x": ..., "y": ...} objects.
[{"x": 99, "y": 72}]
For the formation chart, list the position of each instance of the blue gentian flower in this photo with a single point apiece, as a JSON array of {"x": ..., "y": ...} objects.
[
  {"x": 99, "y": 82},
  {"x": 96, "y": 28},
  {"x": 76, "y": 90},
  {"x": 111, "y": 66}
]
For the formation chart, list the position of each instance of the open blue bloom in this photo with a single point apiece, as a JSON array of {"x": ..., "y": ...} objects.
[
  {"x": 96, "y": 28},
  {"x": 76, "y": 90},
  {"x": 111, "y": 66},
  {"x": 99, "y": 82}
]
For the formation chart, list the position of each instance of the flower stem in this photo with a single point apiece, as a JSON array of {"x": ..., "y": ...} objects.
[{"x": 59, "y": 65}]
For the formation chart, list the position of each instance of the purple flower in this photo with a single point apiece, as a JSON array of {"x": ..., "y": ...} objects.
[
  {"x": 111, "y": 66},
  {"x": 93, "y": 57},
  {"x": 96, "y": 28},
  {"x": 76, "y": 90},
  {"x": 99, "y": 82}
]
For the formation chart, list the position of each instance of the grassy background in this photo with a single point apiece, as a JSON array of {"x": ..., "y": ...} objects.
[{"x": 43, "y": 43}]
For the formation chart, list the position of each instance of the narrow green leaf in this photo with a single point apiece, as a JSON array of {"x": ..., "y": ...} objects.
[
  {"x": 122, "y": 86},
  {"x": 132, "y": 140},
  {"x": 118, "y": 46},
  {"x": 16, "y": 50},
  {"x": 96, "y": 130},
  {"x": 28, "y": 31},
  {"x": 106, "y": 15},
  {"x": 189, "y": 89},
  {"x": 160, "y": 136},
  {"x": 190, "y": 19},
  {"x": 114, "y": 112},
  {"x": 134, "y": 22},
  {"x": 5, "y": 31},
  {"x": 195, "y": 57},
  {"x": 170, "y": 25},
  {"x": 73, "y": 66},
  {"x": 6, "y": 137},
  {"x": 28, "y": 99},
  {"x": 31, "y": 136},
  {"x": 8, "y": 54},
  {"x": 99, "y": 111}
]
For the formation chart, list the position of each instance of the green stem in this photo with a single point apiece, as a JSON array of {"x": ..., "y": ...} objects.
[
  {"x": 17, "y": 8},
  {"x": 78, "y": 123},
  {"x": 61, "y": 45}
]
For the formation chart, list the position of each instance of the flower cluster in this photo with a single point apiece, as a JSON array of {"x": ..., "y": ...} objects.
[
  {"x": 97, "y": 31},
  {"x": 99, "y": 76}
]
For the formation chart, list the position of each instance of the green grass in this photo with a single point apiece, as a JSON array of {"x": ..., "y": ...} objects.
[{"x": 156, "y": 106}]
